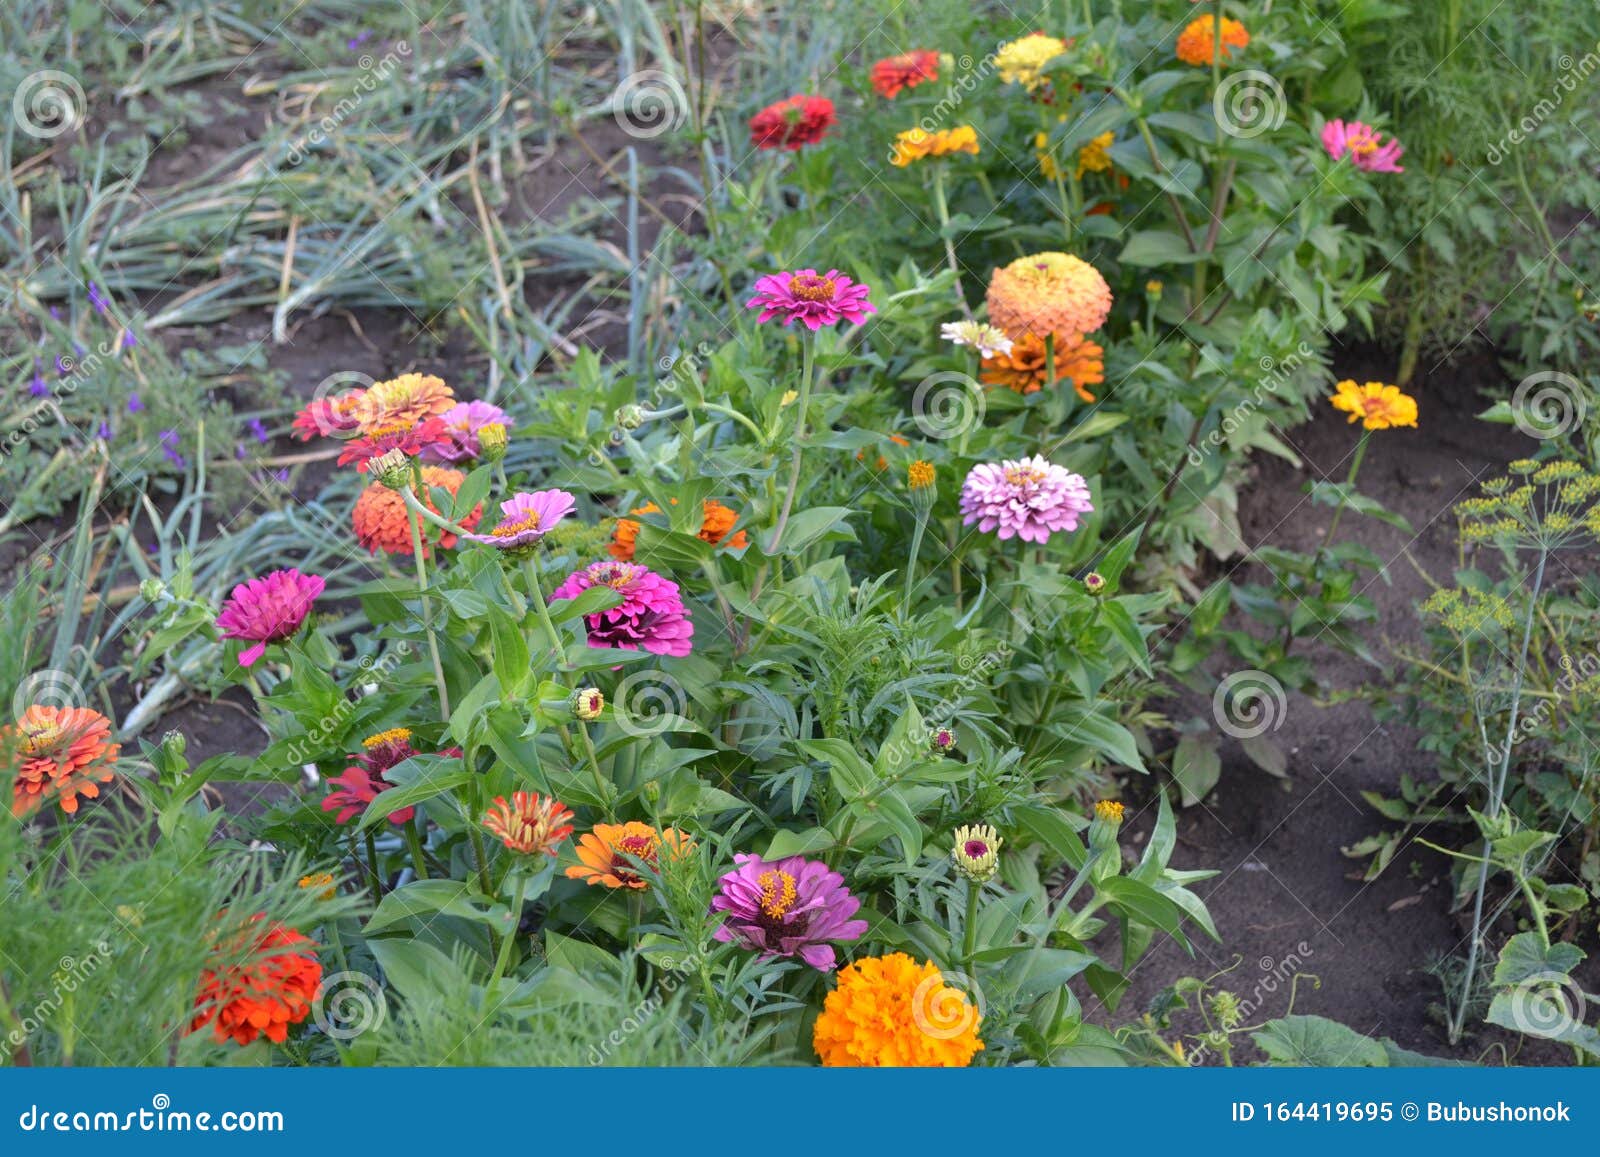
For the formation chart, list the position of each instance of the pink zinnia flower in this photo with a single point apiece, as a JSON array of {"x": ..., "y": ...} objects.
[
  {"x": 526, "y": 518},
  {"x": 1030, "y": 499},
  {"x": 789, "y": 907},
  {"x": 268, "y": 609},
  {"x": 651, "y": 615},
  {"x": 1364, "y": 145},
  {"x": 813, "y": 300},
  {"x": 462, "y": 423}
]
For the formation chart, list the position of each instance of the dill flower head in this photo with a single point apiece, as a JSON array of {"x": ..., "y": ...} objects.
[
  {"x": 1025, "y": 367},
  {"x": 1197, "y": 43},
  {"x": 529, "y": 823},
  {"x": 260, "y": 980},
  {"x": 893, "y": 74},
  {"x": 1375, "y": 405},
  {"x": 1049, "y": 293},
  {"x": 607, "y": 854},
  {"x": 889, "y": 1011},
  {"x": 914, "y": 144},
  {"x": 56, "y": 754},
  {"x": 1022, "y": 61},
  {"x": 976, "y": 853}
]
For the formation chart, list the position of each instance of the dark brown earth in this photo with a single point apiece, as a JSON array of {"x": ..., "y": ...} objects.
[{"x": 1285, "y": 898}]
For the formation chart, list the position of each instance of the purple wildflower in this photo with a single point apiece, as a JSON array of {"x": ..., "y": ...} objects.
[{"x": 96, "y": 298}]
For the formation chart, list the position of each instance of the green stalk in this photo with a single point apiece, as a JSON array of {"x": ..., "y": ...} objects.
[
  {"x": 807, "y": 359},
  {"x": 1349, "y": 485},
  {"x": 504, "y": 957},
  {"x": 415, "y": 522},
  {"x": 419, "y": 860},
  {"x": 969, "y": 932}
]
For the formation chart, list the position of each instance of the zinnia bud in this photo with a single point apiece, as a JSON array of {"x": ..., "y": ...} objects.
[
  {"x": 630, "y": 417},
  {"x": 942, "y": 740},
  {"x": 174, "y": 744},
  {"x": 919, "y": 479},
  {"x": 1095, "y": 583},
  {"x": 1103, "y": 830},
  {"x": 152, "y": 589},
  {"x": 976, "y": 854},
  {"x": 492, "y": 441},
  {"x": 392, "y": 468},
  {"x": 587, "y": 703}
]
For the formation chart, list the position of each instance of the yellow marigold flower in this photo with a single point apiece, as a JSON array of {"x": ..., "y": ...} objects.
[
  {"x": 1196, "y": 43},
  {"x": 1049, "y": 293},
  {"x": 1095, "y": 157},
  {"x": 1375, "y": 405},
  {"x": 1109, "y": 810},
  {"x": 1021, "y": 61},
  {"x": 919, "y": 474},
  {"x": 889, "y": 1011},
  {"x": 915, "y": 144},
  {"x": 321, "y": 882}
]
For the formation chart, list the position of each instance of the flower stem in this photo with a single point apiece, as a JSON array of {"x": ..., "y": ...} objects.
[
  {"x": 415, "y": 522},
  {"x": 531, "y": 568},
  {"x": 372, "y": 866},
  {"x": 911, "y": 563},
  {"x": 504, "y": 958},
  {"x": 802, "y": 405},
  {"x": 1349, "y": 485},
  {"x": 601, "y": 786},
  {"x": 419, "y": 859},
  {"x": 969, "y": 931}
]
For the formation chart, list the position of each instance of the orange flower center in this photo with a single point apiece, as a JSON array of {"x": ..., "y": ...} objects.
[
  {"x": 810, "y": 287},
  {"x": 1023, "y": 475},
  {"x": 509, "y": 529},
  {"x": 777, "y": 892}
]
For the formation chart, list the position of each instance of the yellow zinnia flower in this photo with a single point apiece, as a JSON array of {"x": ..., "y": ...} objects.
[
  {"x": 1020, "y": 61},
  {"x": 1375, "y": 405},
  {"x": 1095, "y": 157},
  {"x": 915, "y": 144}
]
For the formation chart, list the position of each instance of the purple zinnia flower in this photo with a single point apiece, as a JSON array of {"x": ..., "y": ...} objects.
[
  {"x": 464, "y": 420},
  {"x": 1364, "y": 145},
  {"x": 1030, "y": 499},
  {"x": 651, "y": 616},
  {"x": 811, "y": 299},
  {"x": 789, "y": 907},
  {"x": 268, "y": 610},
  {"x": 526, "y": 518}
]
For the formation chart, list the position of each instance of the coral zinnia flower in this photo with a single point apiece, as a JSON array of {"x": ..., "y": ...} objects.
[
  {"x": 525, "y": 518},
  {"x": 57, "y": 753},
  {"x": 603, "y": 853},
  {"x": 1196, "y": 44},
  {"x": 268, "y": 609},
  {"x": 1049, "y": 293},
  {"x": 916, "y": 143},
  {"x": 792, "y": 122},
  {"x": 894, "y": 73},
  {"x": 382, "y": 521},
  {"x": 462, "y": 422},
  {"x": 812, "y": 300},
  {"x": 1375, "y": 405},
  {"x": 363, "y": 781},
  {"x": 409, "y": 439},
  {"x": 1020, "y": 61},
  {"x": 651, "y": 615},
  {"x": 1025, "y": 367},
  {"x": 329, "y": 417},
  {"x": 889, "y": 1011},
  {"x": 1364, "y": 146},
  {"x": 715, "y": 522},
  {"x": 259, "y": 982},
  {"x": 529, "y": 823},
  {"x": 790, "y": 907},
  {"x": 1030, "y": 499},
  {"x": 408, "y": 400}
]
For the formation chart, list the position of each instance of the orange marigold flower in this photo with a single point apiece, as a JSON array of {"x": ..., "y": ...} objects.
[
  {"x": 1375, "y": 405},
  {"x": 715, "y": 522},
  {"x": 895, "y": 73},
  {"x": 1025, "y": 368},
  {"x": 603, "y": 854},
  {"x": 889, "y": 1011},
  {"x": 322, "y": 883},
  {"x": 57, "y": 753},
  {"x": 382, "y": 521},
  {"x": 529, "y": 823},
  {"x": 408, "y": 400},
  {"x": 1196, "y": 44},
  {"x": 916, "y": 143},
  {"x": 259, "y": 982},
  {"x": 1048, "y": 293}
]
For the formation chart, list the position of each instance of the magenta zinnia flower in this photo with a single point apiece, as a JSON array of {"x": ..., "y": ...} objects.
[
  {"x": 789, "y": 907},
  {"x": 1030, "y": 499},
  {"x": 1364, "y": 145},
  {"x": 526, "y": 518},
  {"x": 462, "y": 423},
  {"x": 651, "y": 615},
  {"x": 811, "y": 299},
  {"x": 268, "y": 610}
]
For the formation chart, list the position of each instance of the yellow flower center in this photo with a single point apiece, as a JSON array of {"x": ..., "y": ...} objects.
[
  {"x": 37, "y": 737},
  {"x": 614, "y": 575},
  {"x": 529, "y": 521},
  {"x": 1023, "y": 475},
  {"x": 810, "y": 287},
  {"x": 393, "y": 735},
  {"x": 777, "y": 892}
]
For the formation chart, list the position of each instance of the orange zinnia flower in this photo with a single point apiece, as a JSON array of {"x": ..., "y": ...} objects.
[
  {"x": 1025, "y": 368},
  {"x": 258, "y": 984},
  {"x": 408, "y": 400},
  {"x": 1048, "y": 293},
  {"x": 1375, "y": 405},
  {"x": 382, "y": 521},
  {"x": 889, "y": 1011},
  {"x": 894, "y": 73},
  {"x": 529, "y": 823},
  {"x": 57, "y": 753},
  {"x": 603, "y": 853},
  {"x": 1196, "y": 44},
  {"x": 715, "y": 522}
]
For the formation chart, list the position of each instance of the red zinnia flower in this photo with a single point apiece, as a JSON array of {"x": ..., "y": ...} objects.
[
  {"x": 792, "y": 122},
  {"x": 329, "y": 417},
  {"x": 409, "y": 439},
  {"x": 909, "y": 69},
  {"x": 258, "y": 984}
]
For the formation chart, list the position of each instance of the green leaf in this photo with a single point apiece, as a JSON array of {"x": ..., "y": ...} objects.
[
  {"x": 1153, "y": 247},
  {"x": 806, "y": 843},
  {"x": 1196, "y": 766},
  {"x": 434, "y": 776},
  {"x": 1524, "y": 958},
  {"x": 1080, "y": 724},
  {"x": 1142, "y": 902},
  {"x": 590, "y": 602},
  {"x": 1317, "y": 1042},
  {"x": 1052, "y": 829},
  {"x": 428, "y": 898}
]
